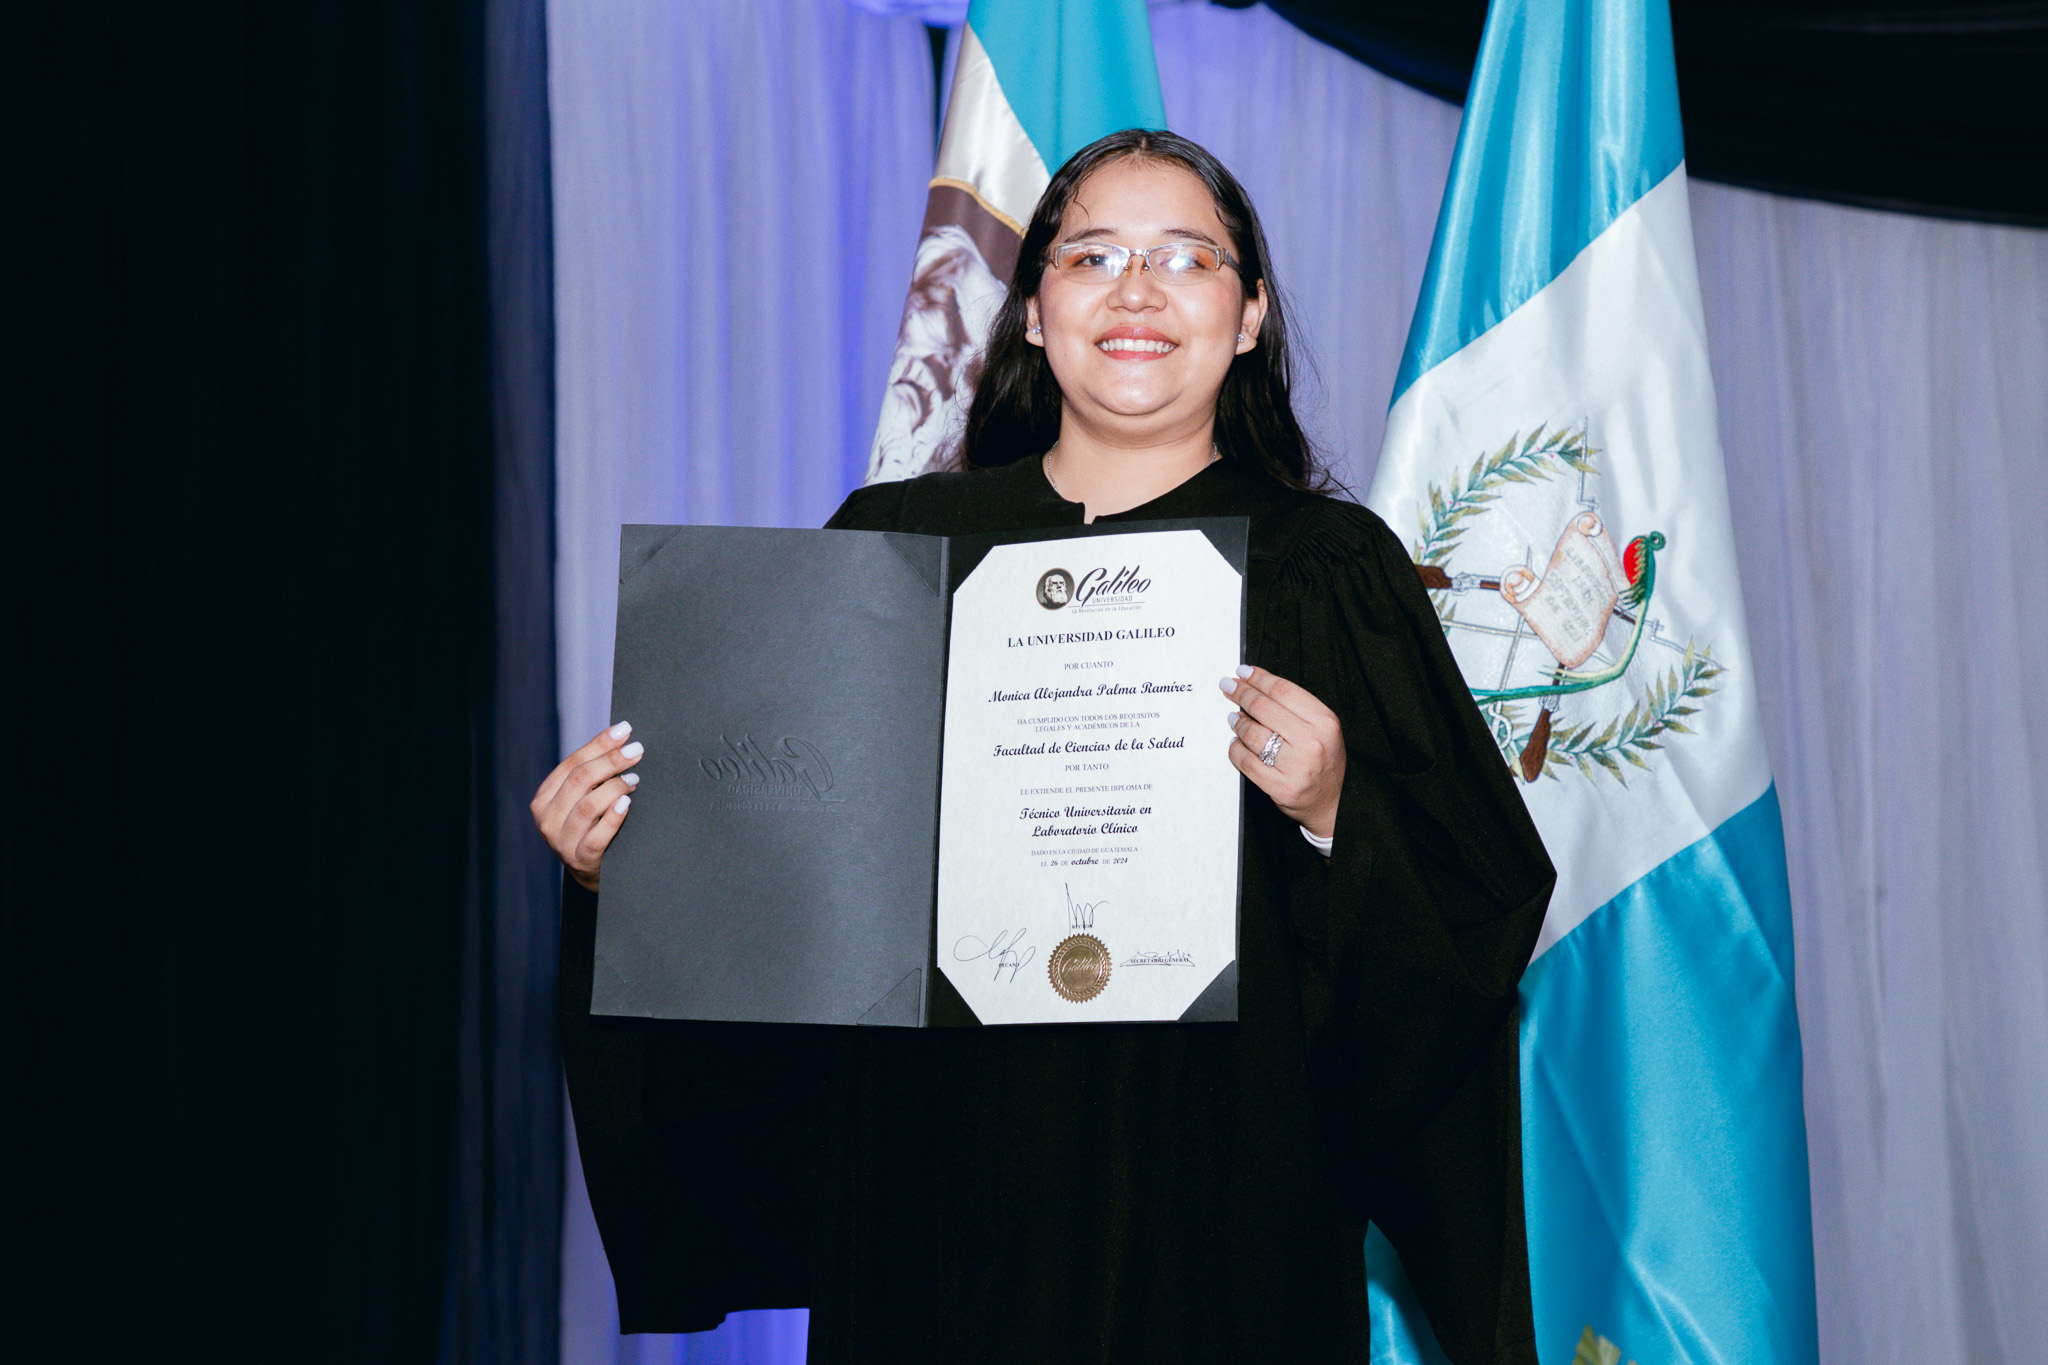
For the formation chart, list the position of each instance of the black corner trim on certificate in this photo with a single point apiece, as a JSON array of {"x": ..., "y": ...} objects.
[{"x": 782, "y": 861}]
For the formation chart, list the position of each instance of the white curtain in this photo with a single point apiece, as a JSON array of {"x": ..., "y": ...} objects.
[
  {"x": 1883, "y": 386},
  {"x": 737, "y": 195},
  {"x": 738, "y": 190}
]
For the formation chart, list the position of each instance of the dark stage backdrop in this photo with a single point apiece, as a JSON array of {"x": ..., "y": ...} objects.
[
  {"x": 1914, "y": 105},
  {"x": 258, "y": 960}
]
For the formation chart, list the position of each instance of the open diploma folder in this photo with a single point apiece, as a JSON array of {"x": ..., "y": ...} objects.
[{"x": 922, "y": 780}]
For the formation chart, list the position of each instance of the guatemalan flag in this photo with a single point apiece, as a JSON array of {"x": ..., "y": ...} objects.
[
  {"x": 1553, "y": 459},
  {"x": 1034, "y": 82}
]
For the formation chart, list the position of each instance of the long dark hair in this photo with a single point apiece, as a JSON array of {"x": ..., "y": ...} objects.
[{"x": 1016, "y": 408}]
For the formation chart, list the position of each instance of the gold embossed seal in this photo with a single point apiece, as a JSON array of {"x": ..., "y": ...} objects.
[{"x": 1079, "y": 967}]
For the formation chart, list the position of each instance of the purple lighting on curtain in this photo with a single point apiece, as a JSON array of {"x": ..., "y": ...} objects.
[{"x": 737, "y": 190}]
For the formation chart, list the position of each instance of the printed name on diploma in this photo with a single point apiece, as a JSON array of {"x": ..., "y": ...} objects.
[{"x": 1143, "y": 689}]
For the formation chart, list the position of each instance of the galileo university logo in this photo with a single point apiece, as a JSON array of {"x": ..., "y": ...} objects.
[{"x": 1057, "y": 588}]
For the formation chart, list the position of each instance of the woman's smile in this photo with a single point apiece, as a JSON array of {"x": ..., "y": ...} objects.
[{"x": 1140, "y": 344}]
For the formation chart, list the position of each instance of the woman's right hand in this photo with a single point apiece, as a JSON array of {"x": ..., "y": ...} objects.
[{"x": 584, "y": 801}]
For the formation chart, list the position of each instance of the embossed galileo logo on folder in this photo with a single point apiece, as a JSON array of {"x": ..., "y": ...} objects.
[{"x": 748, "y": 776}]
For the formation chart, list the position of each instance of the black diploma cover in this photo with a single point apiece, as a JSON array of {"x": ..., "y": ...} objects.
[{"x": 780, "y": 863}]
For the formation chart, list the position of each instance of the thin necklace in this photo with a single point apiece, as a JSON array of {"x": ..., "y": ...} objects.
[{"x": 1045, "y": 463}]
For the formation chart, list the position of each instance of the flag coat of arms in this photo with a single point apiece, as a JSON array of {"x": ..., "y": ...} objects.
[
  {"x": 1552, "y": 456},
  {"x": 1034, "y": 82}
]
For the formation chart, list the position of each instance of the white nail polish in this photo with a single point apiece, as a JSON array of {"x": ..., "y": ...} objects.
[
  {"x": 1229, "y": 685},
  {"x": 619, "y": 806},
  {"x": 1244, "y": 670},
  {"x": 621, "y": 730},
  {"x": 1231, "y": 720},
  {"x": 633, "y": 750},
  {"x": 632, "y": 779}
]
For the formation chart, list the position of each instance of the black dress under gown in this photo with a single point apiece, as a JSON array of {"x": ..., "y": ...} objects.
[{"x": 1128, "y": 1194}]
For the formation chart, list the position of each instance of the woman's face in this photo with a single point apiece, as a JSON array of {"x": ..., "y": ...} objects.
[{"x": 1140, "y": 358}]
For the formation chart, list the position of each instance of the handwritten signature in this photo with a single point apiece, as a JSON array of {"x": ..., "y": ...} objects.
[
  {"x": 1006, "y": 952},
  {"x": 1172, "y": 957},
  {"x": 1080, "y": 914}
]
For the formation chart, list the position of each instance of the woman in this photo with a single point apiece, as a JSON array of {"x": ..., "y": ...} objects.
[{"x": 1132, "y": 1194}]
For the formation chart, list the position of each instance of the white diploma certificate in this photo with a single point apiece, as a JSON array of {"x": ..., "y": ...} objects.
[{"x": 1088, "y": 812}]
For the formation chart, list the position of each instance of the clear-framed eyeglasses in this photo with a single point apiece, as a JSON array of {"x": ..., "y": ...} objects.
[{"x": 1169, "y": 262}]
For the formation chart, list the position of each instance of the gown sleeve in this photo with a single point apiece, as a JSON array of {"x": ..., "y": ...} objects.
[
  {"x": 1431, "y": 902},
  {"x": 697, "y": 1146}
]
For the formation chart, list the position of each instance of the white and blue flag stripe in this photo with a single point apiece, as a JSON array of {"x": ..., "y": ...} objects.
[{"x": 1553, "y": 453}]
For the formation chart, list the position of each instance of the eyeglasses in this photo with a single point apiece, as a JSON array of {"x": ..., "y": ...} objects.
[{"x": 1170, "y": 263}]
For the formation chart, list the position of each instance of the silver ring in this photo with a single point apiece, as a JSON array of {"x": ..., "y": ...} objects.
[{"x": 1272, "y": 749}]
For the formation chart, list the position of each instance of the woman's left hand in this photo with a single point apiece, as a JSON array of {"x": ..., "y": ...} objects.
[{"x": 1307, "y": 773}]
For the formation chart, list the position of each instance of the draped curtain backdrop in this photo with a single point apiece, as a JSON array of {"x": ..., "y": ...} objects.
[
  {"x": 738, "y": 190},
  {"x": 277, "y": 947},
  {"x": 736, "y": 198},
  {"x": 502, "y": 1291}
]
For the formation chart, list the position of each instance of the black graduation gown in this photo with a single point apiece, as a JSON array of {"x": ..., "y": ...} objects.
[{"x": 1146, "y": 1193}]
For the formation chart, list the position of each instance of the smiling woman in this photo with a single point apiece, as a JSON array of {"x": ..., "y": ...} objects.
[
  {"x": 1139, "y": 339},
  {"x": 1120, "y": 1194},
  {"x": 1179, "y": 364}
]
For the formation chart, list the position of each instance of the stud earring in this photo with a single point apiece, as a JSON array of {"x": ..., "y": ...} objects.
[
  {"x": 1036, "y": 330},
  {"x": 1240, "y": 338}
]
